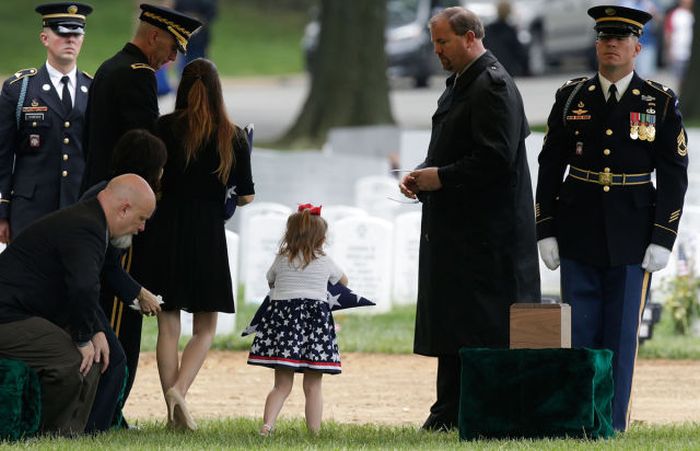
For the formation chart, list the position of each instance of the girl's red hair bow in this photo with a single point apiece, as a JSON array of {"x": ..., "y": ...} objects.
[{"x": 316, "y": 211}]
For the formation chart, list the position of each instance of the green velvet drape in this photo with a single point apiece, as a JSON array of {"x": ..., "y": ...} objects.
[{"x": 535, "y": 393}]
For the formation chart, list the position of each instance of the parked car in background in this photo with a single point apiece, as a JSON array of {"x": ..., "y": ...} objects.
[{"x": 550, "y": 30}]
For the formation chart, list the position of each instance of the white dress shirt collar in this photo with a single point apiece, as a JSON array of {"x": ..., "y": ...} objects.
[
  {"x": 55, "y": 75},
  {"x": 621, "y": 85}
]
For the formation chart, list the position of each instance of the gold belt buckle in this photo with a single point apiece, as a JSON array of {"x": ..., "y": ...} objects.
[{"x": 605, "y": 178}]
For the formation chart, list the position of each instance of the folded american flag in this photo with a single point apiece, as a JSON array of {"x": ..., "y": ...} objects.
[{"x": 338, "y": 296}]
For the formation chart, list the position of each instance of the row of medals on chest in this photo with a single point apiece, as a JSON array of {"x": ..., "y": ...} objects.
[{"x": 642, "y": 125}]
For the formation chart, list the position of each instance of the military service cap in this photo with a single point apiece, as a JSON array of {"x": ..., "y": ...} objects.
[
  {"x": 64, "y": 17},
  {"x": 181, "y": 26},
  {"x": 618, "y": 21}
]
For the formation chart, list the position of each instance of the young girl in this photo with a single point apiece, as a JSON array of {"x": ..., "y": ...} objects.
[{"x": 297, "y": 333}]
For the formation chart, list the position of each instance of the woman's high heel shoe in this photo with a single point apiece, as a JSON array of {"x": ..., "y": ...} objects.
[{"x": 178, "y": 415}]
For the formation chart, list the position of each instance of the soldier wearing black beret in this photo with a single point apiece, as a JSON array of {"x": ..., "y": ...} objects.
[
  {"x": 41, "y": 124},
  {"x": 123, "y": 97},
  {"x": 614, "y": 218}
]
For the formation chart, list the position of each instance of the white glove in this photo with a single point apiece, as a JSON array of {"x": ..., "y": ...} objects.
[
  {"x": 655, "y": 258},
  {"x": 549, "y": 252}
]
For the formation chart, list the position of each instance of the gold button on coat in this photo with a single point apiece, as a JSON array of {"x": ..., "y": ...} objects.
[
  {"x": 33, "y": 124},
  {"x": 606, "y": 152},
  {"x": 608, "y": 132},
  {"x": 606, "y": 188},
  {"x": 65, "y": 157},
  {"x": 65, "y": 174},
  {"x": 606, "y": 170},
  {"x": 66, "y": 124},
  {"x": 66, "y": 140}
]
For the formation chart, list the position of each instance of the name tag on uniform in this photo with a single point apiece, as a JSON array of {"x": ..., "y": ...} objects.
[
  {"x": 34, "y": 140},
  {"x": 33, "y": 116}
]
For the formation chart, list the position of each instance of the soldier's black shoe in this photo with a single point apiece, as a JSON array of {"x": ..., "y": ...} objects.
[{"x": 436, "y": 423}]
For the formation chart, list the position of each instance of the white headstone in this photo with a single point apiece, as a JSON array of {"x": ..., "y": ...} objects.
[
  {"x": 413, "y": 148},
  {"x": 226, "y": 322},
  {"x": 533, "y": 146},
  {"x": 334, "y": 213},
  {"x": 373, "y": 194},
  {"x": 406, "y": 247},
  {"x": 374, "y": 140},
  {"x": 263, "y": 239},
  {"x": 692, "y": 195},
  {"x": 254, "y": 210},
  {"x": 363, "y": 251},
  {"x": 689, "y": 234},
  {"x": 550, "y": 282}
]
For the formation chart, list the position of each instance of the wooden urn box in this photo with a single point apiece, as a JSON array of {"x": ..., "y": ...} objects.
[{"x": 538, "y": 326}]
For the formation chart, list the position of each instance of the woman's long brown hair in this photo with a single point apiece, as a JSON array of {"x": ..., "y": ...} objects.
[
  {"x": 200, "y": 112},
  {"x": 304, "y": 237}
]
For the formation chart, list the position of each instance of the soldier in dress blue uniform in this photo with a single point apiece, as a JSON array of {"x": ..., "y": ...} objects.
[
  {"x": 41, "y": 124},
  {"x": 614, "y": 218}
]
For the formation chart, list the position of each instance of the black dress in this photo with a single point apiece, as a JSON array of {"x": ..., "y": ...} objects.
[{"x": 182, "y": 254}]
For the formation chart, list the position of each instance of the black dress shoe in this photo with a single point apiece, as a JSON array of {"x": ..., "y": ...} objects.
[{"x": 438, "y": 424}]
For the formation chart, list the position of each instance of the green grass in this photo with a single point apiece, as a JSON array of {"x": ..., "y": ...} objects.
[
  {"x": 241, "y": 433},
  {"x": 247, "y": 39},
  {"x": 392, "y": 333}
]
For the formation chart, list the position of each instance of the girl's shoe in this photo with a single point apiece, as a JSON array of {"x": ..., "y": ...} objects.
[{"x": 266, "y": 430}]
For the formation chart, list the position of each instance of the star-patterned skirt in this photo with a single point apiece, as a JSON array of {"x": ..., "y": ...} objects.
[{"x": 298, "y": 334}]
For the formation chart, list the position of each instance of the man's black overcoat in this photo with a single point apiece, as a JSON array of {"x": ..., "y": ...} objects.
[{"x": 478, "y": 252}]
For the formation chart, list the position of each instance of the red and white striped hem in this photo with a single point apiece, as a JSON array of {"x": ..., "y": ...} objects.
[{"x": 293, "y": 363}]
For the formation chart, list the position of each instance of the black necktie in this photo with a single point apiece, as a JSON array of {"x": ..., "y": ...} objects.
[
  {"x": 65, "y": 96},
  {"x": 612, "y": 97}
]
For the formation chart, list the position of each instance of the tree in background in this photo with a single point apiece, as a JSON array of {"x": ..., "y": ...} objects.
[
  {"x": 690, "y": 88},
  {"x": 349, "y": 86}
]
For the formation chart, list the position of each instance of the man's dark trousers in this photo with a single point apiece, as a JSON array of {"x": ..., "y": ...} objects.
[
  {"x": 111, "y": 384},
  {"x": 66, "y": 395},
  {"x": 444, "y": 413}
]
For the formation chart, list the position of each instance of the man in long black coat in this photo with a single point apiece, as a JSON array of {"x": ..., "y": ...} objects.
[{"x": 478, "y": 253}]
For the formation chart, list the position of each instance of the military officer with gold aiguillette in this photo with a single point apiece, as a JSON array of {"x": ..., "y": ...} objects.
[
  {"x": 613, "y": 219},
  {"x": 41, "y": 124}
]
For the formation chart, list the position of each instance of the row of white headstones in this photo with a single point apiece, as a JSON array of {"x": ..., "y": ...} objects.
[
  {"x": 380, "y": 257},
  {"x": 376, "y": 241}
]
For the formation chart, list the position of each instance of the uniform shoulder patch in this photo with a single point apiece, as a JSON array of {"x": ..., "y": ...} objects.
[
  {"x": 137, "y": 66},
  {"x": 20, "y": 74},
  {"x": 661, "y": 88},
  {"x": 87, "y": 75},
  {"x": 573, "y": 82}
]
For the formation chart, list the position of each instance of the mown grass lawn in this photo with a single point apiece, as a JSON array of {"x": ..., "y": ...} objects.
[
  {"x": 247, "y": 39},
  {"x": 241, "y": 433}
]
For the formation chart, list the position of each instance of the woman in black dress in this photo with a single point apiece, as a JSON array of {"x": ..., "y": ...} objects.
[{"x": 184, "y": 256}]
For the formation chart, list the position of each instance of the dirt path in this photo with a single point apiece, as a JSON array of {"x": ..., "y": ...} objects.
[{"x": 386, "y": 389}]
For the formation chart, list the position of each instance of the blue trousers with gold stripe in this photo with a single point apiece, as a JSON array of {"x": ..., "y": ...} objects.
[{"x": 606, "y": 308}]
